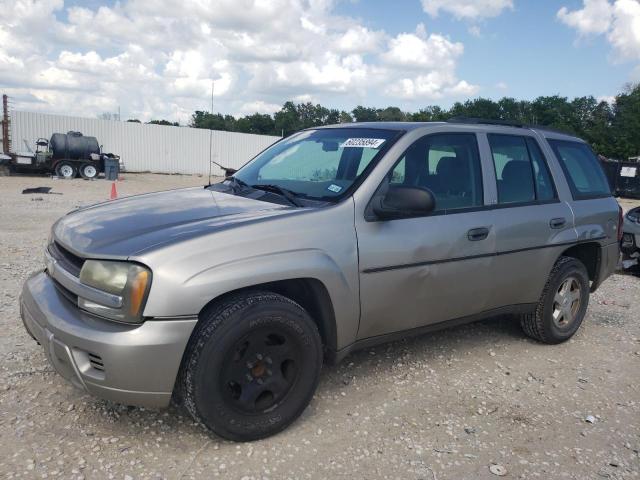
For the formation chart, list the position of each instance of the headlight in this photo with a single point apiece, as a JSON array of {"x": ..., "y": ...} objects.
[{"x": 127, "y": 280}]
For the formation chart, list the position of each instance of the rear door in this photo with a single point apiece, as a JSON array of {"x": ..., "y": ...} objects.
[
  {"x": 533, "y": 225},
  {"x": 424, "y": 270},
  {"x": 595, "y": 209}
]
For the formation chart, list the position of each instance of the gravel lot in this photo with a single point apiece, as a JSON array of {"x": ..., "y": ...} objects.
[{"x": 443, "y": 406}]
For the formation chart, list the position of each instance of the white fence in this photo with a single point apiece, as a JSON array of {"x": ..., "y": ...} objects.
[{"x": 142, "y": 147}]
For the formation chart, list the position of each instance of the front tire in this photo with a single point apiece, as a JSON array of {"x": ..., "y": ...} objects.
[
  {"x": 562, "y": 305},
  {"x": 251, "y": 366},
  {"x": 66, "y": 170}
]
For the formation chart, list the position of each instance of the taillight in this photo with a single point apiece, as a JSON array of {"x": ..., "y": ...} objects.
[{"x": 620, "y": 222}]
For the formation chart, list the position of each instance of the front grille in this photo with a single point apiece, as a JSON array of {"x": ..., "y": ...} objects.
[
  {"x": 68, "y": 294},
  {"x": 67, "y": 260},
  {"x": 96, "y": 362}
]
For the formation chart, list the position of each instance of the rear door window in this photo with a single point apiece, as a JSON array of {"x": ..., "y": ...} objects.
[
  {"x": 582, "y": 169},
  {"x": 522, "y": 174}
]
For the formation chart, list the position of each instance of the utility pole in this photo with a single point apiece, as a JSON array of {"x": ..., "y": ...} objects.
[{"x": 6, "y": 141}]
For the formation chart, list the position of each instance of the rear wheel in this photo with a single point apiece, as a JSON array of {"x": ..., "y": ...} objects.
[
  {"x": 563, "y": 303},
  {"x": 66, "y": 170},
  {"x": 88, "y": 171},
  {"x": 251, "y": 366}
]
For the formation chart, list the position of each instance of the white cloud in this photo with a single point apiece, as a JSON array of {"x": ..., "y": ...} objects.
[
  {"x": 417, "y": 50},
  {"x": 431, "y": 62},
  {"x": 595, "y": 17},
  {"x": 158, "y": 58},
  {"x": 467, "y": 9},
  {"x": 258, "y": 107},
  {"x": 610, "y": 99},
  {"x": 359, "y": 39},
  {"x": 618, "y": 20}
]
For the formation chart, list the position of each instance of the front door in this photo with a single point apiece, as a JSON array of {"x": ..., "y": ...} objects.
[{"x": 419, "y": 271}]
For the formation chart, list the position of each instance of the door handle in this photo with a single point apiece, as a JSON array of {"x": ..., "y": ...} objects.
[
  {"x": 476, "y": 234},
  {"x": 557, "y": 222}
]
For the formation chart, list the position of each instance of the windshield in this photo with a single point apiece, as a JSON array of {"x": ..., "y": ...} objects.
[{"x": 317, "y": 164}]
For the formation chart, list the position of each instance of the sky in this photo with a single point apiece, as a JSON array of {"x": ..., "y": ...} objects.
[{"x": 158, "y": 59}]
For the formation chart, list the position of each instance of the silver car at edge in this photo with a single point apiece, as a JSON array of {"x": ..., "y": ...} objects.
[{"x": 228, "y": 298}]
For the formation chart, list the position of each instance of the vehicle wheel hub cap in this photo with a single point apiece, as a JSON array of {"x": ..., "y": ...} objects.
[
  {"x": 90, "y": 171},
  {"x": 566, "y": 302},
  {"x": 66, "y": 171},
  {"x": 260, "y": 370}
]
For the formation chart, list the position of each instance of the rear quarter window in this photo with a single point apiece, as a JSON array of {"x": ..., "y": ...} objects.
[{"x": 582, "y": 169}]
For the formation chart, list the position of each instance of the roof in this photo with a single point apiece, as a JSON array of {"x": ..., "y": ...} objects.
[{"x": 476, "y": 123}]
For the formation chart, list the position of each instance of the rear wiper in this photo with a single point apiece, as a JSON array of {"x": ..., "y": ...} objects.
[{"x": 283, "y": 192}]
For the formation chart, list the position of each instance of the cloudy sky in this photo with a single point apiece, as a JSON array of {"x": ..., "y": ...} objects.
[{"x": 157, "y": 58}]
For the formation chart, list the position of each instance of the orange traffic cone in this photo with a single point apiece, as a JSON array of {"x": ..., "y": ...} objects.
[{"x": 114, "y": 192}]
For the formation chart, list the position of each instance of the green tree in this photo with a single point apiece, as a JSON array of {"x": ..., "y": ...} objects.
[
  {"x": 259, "y": 123},
  {"x": 164, "y": 122},
  {"x": 626, "y": 122},
  {"x": 365, "y": 114},
  {"x": 612, "y": 129}
]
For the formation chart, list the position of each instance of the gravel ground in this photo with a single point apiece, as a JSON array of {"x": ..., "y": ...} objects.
[{"x": 449, "y": 405}]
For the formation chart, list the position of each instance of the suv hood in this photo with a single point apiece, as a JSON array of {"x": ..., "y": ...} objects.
[{"x": 126, "y": 227}]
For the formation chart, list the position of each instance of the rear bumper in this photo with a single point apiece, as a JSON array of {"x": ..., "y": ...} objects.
[
  {"x": 609, "y": 259},
  {"x": 130, "y": 364}
]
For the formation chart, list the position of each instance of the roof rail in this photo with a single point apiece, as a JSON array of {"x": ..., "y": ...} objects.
[
  {"x": 505, "y": 123},
  {"x": 485, "y": 121}
]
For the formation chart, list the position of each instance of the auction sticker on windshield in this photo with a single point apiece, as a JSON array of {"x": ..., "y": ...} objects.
[{"x": 363, "y": 142}]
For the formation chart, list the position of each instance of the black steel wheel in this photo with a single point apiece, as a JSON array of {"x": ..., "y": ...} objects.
[{"x": 252, "y": 366}]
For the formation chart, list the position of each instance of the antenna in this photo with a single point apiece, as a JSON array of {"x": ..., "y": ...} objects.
[{"x": 211, "y": 134}]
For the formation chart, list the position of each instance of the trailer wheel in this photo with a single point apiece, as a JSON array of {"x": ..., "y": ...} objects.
[
  {"x": 66, "y": 170},
  {"x": 88, "y": 171}
]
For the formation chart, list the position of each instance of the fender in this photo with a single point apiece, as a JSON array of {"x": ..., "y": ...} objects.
[{"x": 200, "y": 288}]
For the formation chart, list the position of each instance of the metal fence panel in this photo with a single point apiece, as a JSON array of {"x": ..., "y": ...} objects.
[{"x": 143, "y": 147}]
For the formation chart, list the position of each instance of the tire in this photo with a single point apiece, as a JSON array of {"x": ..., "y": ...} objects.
[
  {"x": 66, "y": 170},
  {"x": 88, "y": 171},
  {"x": 562, "y": 305},
  {"x": 251, "y": 366}
]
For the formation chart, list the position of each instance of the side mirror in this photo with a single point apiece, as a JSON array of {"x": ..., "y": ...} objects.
[{"x": 404, "y": 202}]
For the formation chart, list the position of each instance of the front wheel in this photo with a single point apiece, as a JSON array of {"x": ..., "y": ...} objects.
[
  {"x": 66, "y": 170},
  {"x": 251, "y": 366},
  {"x": 562, "y": 305},
  {"x": 88, "y": 171}
]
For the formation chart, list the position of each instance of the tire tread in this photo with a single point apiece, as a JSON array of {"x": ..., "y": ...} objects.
[{"x": 533, "y": 323}]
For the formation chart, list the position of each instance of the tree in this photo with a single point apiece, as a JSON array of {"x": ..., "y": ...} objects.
[
  {"x": 164, "y": 122},
  {"x": 626, "y": 122},
  {"x": 259, "y": 123},
  {"x": 612, "y": 129},
  {"x": 365, "y": 114},
  {"x": 133, "y": 120},
  {"x": 211, "y": 121},
  {"x": 392, "y": 114}
]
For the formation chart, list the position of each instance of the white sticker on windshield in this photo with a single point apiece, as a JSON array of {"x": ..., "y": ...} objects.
[
  {"x": 334, "y": 188},
  {"x": 363, "y": 142}
]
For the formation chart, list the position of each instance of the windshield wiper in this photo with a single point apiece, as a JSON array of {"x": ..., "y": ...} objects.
[
  {"x": 283, "y": 192},
  {"x": 236, "y": 184}
]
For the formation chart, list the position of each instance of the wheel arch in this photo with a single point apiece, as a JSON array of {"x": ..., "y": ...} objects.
[
  {"x": 590, "y": 254},
  {"x": 310, "y": 293}
]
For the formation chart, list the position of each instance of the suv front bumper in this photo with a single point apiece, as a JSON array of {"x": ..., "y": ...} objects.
[{"x": 129, "y": 364}]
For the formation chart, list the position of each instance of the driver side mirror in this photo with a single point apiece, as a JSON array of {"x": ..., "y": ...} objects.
[{"x": 404, "y": 202}]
